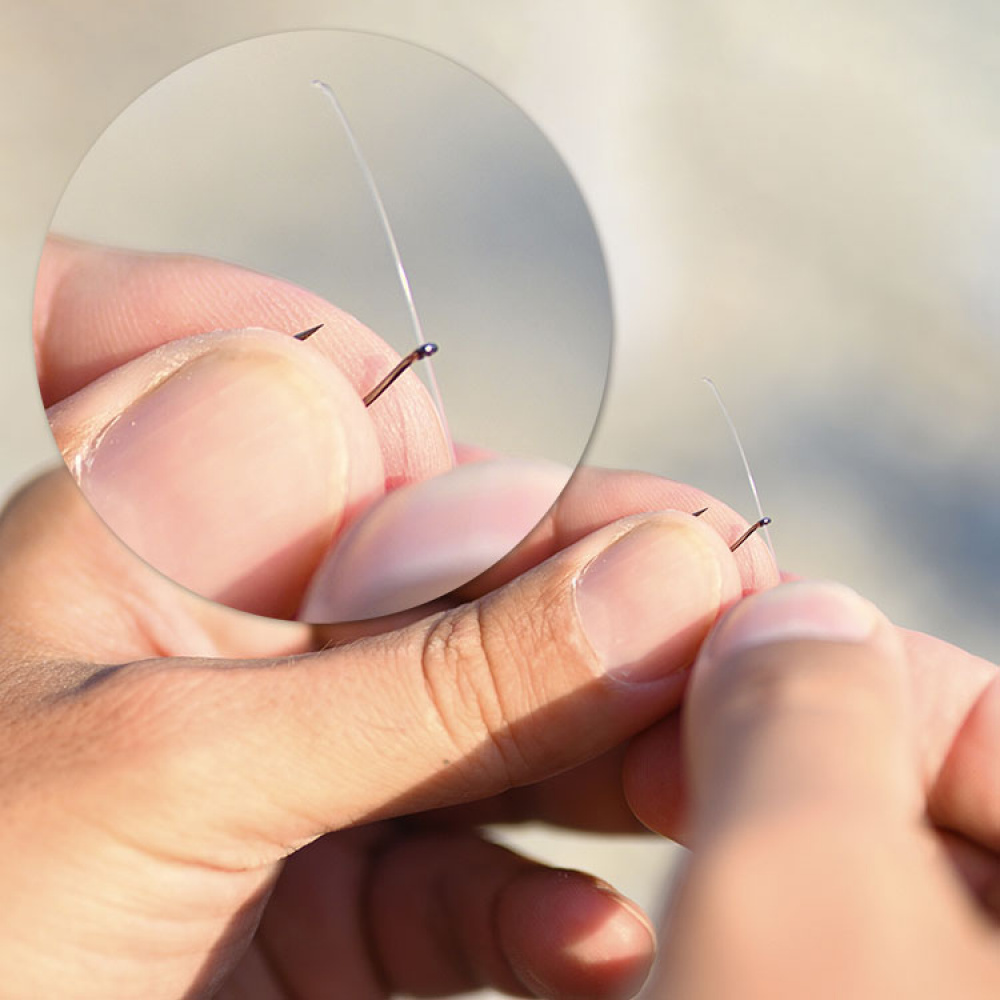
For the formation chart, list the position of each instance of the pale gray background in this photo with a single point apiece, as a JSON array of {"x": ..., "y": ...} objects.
[{"x": 797, "y": 199}]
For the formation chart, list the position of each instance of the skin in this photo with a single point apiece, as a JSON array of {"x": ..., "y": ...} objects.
[
  {"x": 843, "y": 806},
  {"x": 198, "y": 800},
  {"x": 170, "y": 382}
]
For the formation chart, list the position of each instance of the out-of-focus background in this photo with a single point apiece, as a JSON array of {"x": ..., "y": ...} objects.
[{"x": 799, "y": 200}]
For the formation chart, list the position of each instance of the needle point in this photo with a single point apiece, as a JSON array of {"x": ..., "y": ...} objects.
[{"x": 306, "y": 334}]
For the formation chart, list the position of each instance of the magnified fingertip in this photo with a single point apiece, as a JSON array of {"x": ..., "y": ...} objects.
[
  {"x": 231, "y": 473},
  {"x": 423, "y": 540},
  {"x": 573, "y": 937}
]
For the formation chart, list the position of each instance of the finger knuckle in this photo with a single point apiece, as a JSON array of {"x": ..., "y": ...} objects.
[{"x": 471, "y": 674}]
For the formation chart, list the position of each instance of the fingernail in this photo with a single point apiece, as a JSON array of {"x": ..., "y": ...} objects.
[
  {"x": 226, "y": 477},
  {"x": 650, "y": 597},
  {"x": 423, "y": 540},
  {"x": 811, "y": 610}
]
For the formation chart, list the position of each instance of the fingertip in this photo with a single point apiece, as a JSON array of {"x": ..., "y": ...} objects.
[
  {"x": 799, "y": 702},
  {"x": 653, "y": 778},
  {"x": 570, "y": 936},
  {"x": 809, "y": 610},
  {"x": 227, "y": 461},
  {"x": 425, "y": 539},
  {"x": 650, "y": 596},
  {"x": 408, "y": 425},
  {"x": 98, "y": 308}
]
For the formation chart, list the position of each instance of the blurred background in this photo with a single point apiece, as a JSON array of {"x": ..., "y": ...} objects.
[{"x": 798, "y": 200}]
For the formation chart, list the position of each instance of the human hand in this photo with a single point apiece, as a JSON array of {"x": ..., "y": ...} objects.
[
  {"x": 841, "y": 794},
  {"x": 163, "y": 757}
]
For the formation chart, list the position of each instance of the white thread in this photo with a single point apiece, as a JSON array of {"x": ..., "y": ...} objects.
[
  {"x": 390, "y": 237},
  {"x": 743, "y": 457}
]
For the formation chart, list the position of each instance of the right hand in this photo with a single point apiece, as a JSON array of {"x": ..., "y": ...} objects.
[{"x": 839, "y": 774}]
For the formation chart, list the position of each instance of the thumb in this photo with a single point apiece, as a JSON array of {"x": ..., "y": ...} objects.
[
  {"x": 799, "y": 703},
  {"x": 551, "y": 670},
  {"x": 227, "y": 461},
  {"x": 812, "y": 872}
]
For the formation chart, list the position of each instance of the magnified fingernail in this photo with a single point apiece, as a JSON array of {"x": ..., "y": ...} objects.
[
  {"x": 812, "y": 609},
  {"x": 236, "y": 461},
  {"x": 424, "y": 540}
]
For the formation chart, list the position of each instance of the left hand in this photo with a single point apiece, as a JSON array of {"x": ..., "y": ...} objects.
[{"x": 159, "y": 800}]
